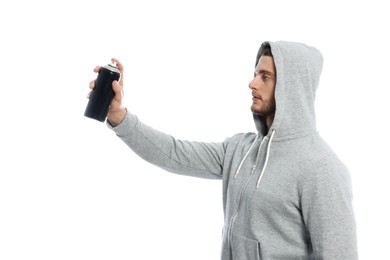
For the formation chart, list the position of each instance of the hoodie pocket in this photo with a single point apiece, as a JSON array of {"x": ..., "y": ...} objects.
[{"x": 245, "y": 249}]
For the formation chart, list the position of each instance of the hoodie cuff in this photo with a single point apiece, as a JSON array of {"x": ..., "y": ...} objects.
[{"x": 124, "y": 128}]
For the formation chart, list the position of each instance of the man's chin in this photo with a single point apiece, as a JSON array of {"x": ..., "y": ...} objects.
[
  {"x": 256, "y": 111},
  {"x": 261, "y": 112}
]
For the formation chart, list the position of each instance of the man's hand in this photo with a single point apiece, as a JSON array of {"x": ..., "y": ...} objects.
[{"x": 117, "y": 110}]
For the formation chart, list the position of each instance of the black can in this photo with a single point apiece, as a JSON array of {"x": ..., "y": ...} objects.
[{"x": 102, "y": 94}]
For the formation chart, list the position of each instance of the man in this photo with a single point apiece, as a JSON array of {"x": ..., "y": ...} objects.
[{"x": 286, "y": 195}]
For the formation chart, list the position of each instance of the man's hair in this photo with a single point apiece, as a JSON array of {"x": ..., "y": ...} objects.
[{"x": 266, "y": 51}]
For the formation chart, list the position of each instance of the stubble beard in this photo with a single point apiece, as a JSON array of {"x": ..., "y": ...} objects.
[{"x": 266, "y": 108}]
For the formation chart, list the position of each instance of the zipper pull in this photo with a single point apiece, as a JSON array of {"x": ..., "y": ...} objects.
[{"x": 253, "y": 168}]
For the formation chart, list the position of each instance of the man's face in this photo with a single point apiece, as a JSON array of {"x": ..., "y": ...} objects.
[{"x": 263, "y": 87}]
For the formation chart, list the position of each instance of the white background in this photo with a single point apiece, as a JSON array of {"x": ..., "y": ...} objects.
[{"x": 70, "y": 189}]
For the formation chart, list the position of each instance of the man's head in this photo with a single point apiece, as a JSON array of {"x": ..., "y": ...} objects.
[{"x": 263, "y": 86}]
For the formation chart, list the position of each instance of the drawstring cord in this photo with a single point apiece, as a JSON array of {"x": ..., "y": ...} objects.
[
  {"x": 246, "y": 155},
  {"x": 266, "y": 158}
]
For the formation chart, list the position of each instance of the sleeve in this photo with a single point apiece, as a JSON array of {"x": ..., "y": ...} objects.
[
  {"x": 328, "y": 213},
  {"x": 195, "y": 159}
]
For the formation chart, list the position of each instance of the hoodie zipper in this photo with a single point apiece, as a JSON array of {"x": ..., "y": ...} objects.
[{"x": 230, "y": 236}]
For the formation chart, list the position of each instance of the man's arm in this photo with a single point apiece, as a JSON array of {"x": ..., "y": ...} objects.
[
  {"x": 182, "y": 157},
  {"x": 328, "y": 212}
]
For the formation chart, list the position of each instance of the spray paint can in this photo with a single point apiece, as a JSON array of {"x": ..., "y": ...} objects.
[{"x": 102, "y": 94}]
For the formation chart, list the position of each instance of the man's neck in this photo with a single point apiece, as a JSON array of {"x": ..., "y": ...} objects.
[{"x": 269, "y": 120}]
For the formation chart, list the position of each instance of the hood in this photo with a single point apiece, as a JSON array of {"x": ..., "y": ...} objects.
[{"x": 298, "y": 69}]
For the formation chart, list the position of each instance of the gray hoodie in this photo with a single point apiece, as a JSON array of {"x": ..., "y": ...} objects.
[{"x": 286, "y": 194}]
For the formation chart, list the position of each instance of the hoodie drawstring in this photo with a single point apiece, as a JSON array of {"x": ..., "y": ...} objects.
[
  {"x": 246, "y": 155},
  {"x": 266, "y": 158}
]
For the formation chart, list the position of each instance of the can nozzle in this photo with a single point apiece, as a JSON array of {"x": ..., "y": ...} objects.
[{"x": 113, "y": 64}]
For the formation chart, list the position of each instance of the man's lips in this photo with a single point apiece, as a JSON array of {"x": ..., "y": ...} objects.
[{"x": 254, "y": 98}]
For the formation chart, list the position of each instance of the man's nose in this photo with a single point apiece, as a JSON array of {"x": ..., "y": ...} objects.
[{"x": 252, "y": 84}]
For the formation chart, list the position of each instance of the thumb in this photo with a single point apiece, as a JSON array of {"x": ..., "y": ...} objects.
[
  {"x": 118, "y": 89},
  {"x": 120, "y": 67}
]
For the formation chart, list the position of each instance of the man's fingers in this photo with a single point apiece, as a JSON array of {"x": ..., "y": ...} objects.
[
  {"x": 92, "y": 84},
  {"x": 96, "y": 69}
]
